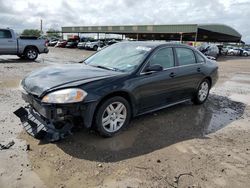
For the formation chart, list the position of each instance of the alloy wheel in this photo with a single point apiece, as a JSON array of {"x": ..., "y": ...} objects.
[
  {"x": 114, "y": 116},
  {"x": 31, "y": 54},
  {"x": 203, "y": 91}
]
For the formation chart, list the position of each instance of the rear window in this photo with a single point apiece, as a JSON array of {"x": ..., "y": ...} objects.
[
  {"x": 5, "y": 34},
  {"x": 185, "y": 56}
]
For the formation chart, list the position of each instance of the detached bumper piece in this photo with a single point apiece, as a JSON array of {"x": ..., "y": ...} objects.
[{"x": 37, "y": 127}]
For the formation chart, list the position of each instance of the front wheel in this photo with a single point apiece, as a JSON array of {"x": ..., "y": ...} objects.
[
  {"x": 112, "y": 115},
  {"x": 31, "y": 54},
  {"x": 202, "y": 92},
  {"x": 95, "y": 48}
]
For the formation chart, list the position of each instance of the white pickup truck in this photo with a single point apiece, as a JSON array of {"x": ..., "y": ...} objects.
[{"x": 23, "y": 47}]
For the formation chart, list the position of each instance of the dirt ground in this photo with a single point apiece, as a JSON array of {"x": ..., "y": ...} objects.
[{"x": 182, "y": 146}]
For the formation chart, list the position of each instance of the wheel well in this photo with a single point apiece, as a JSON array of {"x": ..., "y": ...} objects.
[
  {"x": 210, "y": 80},
  {"x": 27, "y": 47},
  {"x": 123, "y": 94}
]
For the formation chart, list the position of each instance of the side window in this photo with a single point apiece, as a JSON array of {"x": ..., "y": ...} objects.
[
  {"x": 163, "y": 57},
  {"x": 5, "y": 34},
  {"x": 185, "y": 56},
  {"x": 200, "y": 59}
]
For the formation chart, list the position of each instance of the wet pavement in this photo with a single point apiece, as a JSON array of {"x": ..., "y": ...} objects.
[
  {"x": 163, "y": 130},
  {"x": 210, "y": 141}
]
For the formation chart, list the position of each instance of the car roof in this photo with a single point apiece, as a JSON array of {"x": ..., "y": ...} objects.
[{"x": 155, "y": 44}]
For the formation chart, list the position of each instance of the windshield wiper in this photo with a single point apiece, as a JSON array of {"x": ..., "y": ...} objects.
[
  {"x": 107, "y": 68},
  {"x": 83, "y": 61}
]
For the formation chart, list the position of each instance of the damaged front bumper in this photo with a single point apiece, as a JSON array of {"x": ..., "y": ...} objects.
[
  {"x": 51, "y": 121},
  {"x": 37, "y": 127}
]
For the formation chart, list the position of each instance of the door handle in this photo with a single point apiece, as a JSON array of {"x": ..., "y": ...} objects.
[
  {"x": 198, "y": 69},
  {"x": 172, "y": 74},
  {"x": 10, "y": 40}
]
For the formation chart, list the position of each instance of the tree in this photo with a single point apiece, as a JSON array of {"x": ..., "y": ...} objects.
[
  {"x": 31, "y": 32},
  {"x": 52, "y": 33}
]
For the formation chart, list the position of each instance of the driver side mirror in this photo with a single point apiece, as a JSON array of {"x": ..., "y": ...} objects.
[{"x": 154, "y": 68}]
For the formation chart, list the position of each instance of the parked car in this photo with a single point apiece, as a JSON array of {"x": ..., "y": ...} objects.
[
  {"x": 93, "y": 45},
  {"x": 23, "y": 47},
  {"x": 234, "y": 51},
  {"x": 53, "y": 42},
  {"x": 108, "y": 43},
  {"x": 222, "y": 50},
  {"x": 122, "y": 81},
  {"x": 61, "y": 44},
  {"x": 246, "y": 53},
  {"x": 71, "y": 44},
  {"x": 209, "y": 50},
  {"x": 81, "y": 45},
  {"x": 83, "y": 41}
]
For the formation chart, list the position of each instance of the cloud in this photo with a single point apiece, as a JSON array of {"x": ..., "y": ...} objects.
[{"x": 24, "y": 14}]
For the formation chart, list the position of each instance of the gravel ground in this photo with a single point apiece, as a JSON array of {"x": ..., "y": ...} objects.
[{"x": 182, "y": 146}]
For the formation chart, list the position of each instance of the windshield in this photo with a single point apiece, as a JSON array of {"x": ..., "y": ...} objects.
[{"x": 125, "y": 57}]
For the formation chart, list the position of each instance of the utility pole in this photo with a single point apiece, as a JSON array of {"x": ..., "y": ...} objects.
[{"x": 41, "y": 26}]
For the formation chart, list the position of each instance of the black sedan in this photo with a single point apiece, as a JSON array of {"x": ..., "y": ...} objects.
[{"x": 115, "y": 84}]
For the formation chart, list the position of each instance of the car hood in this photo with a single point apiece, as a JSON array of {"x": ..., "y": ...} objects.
[{"x": 40, "y": 81}]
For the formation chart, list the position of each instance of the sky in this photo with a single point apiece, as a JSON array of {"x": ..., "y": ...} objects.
[{"x": 26, "y": 14}]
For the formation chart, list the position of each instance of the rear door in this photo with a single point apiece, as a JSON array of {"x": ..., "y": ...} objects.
[
  {"x": 189, "y": 72},
  {"x": 8, "y": 45}
]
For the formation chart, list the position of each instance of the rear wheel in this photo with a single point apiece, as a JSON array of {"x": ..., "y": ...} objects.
[
  {"x": 202, "y": 92},
  {"x": 112, "y": 115},
  {"x": 31, "y": 53},
  {"x": 245, "y": 54}
]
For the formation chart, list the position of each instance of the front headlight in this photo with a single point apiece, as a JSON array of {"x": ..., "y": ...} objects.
[
  {"x": 21, "y": 88},
  {"x": 65, "y": 96}
]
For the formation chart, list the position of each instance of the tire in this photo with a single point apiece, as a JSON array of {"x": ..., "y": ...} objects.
[
  {"x": 31, "y": 53},
  {"x": 95, "y": 48},
  {"x": 106, "y": 122},
  {"x": 202, "y": 93},
  {"x": 231, "y": 53},
  {"x": 245, "y": 54}
]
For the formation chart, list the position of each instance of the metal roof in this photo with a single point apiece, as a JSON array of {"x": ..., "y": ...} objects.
[
  {"x": 220, "y": 28},
  {"x": 132, "y": 29},
  {"x": 206, "y": 32}
]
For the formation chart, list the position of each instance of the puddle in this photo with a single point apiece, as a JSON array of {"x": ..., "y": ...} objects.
[
  {"x": 223, "y": 113},
  {"x": 10, "y": 84}
]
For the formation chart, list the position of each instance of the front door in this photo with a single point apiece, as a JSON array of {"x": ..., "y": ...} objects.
[
  {"x": 8, "y": 45},
  {"x": 157, "y": 89}
]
